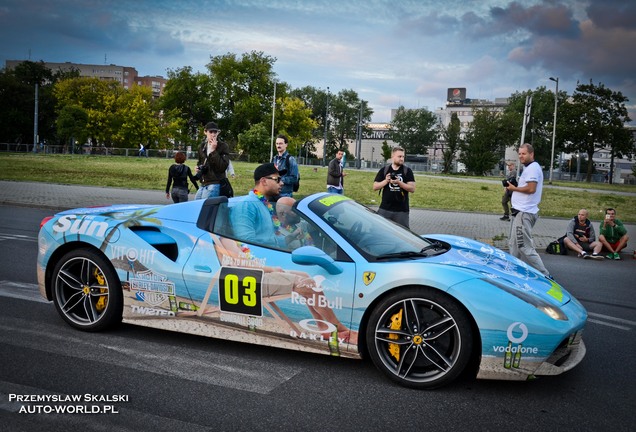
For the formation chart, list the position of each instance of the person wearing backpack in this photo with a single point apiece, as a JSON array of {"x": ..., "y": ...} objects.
[
  {"x": 178, "y": 175},
  {"x": 395, "y": 181},
  {"x": 581, "y": 237},
  {"x": 287, "y": 166}
]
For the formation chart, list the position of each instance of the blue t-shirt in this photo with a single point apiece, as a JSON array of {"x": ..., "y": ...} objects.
[{"x": 252, "y": 222}]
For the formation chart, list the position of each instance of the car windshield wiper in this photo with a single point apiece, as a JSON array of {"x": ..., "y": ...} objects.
[
  {"x": 403, "y": 254},
  {"x": 424, "y": 252},
  {"x": 435, "y": 246}
]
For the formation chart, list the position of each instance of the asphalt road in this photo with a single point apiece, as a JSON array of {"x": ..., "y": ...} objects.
[{"x": 167, "y": 381}]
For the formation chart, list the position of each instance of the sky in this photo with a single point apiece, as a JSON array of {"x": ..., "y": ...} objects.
[{"x": 391, "y": 52}]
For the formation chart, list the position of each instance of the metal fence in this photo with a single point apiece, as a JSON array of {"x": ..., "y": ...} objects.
[{"x": 352, "y": 164}]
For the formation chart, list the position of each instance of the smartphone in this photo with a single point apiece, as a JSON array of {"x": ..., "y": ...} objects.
[{"x": 607, "y": 216}]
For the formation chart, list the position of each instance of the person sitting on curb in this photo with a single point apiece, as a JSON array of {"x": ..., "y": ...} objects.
[
  {"x": 581, "y": 237},
  {"x": 613, "y": 234}
]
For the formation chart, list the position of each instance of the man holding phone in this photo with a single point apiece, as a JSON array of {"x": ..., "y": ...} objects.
[{"x": 613, "y": 235}]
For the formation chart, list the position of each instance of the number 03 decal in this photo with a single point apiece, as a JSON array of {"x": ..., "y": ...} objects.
[{"x": 240, "y": 290}]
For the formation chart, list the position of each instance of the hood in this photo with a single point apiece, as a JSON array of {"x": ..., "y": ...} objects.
[{"x": 486, "y": 261}]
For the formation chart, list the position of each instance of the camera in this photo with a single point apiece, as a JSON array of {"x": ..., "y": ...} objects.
[
  {"x": 393, "y": 177},
  {"x": 505, "y": 183},
  {"x": 202, "y": 169}
]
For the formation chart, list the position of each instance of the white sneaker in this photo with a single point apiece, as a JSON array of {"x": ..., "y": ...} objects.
[{"x": 596, "y": 256}]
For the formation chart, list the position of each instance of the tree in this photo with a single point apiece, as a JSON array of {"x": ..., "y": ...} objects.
[
  {"x": 99, "y": 100},
  {"x": 345, "y": 109},
  {"x": 241, "y": 91},
  {"x": 483, "y": 144},
  {"x": 386, "y": 151},
  {"x": 414, "y": 129},
  {"x": 539, "y": 126},
  {"x": 186, "y": 102},
  {"x": 453, "y": 142},
  {"x": 595, "y": 119},
  {"x": 17, "y": 102},
  {"x": 255, "y": 142},
  {"x": 71, "y": 124},
  {"x": 293, "y": 119},
  {"x": 316, "y": 100},
  {"x": 136, "y": 120}
]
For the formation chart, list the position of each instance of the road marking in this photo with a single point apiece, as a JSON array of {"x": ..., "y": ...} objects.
[
  {"x": 193, "y": 364},
  {"x": 610, "y": 318},
  {"x": 209, "y": 367},
  {"x": 4, "y": 236}
]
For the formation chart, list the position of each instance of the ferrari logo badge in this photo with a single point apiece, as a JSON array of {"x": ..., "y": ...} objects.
[{"x": 368, "y": 277}]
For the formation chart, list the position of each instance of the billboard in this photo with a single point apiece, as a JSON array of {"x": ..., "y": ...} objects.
[{"x": 456, "y": 94}]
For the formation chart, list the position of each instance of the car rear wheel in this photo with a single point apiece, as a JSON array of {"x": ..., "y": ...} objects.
[
  {"x": 86, "y": 291},
  {"x": 420, "y": 338}
]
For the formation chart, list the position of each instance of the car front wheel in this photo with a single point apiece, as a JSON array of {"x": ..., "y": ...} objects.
[
  {"x": 86, "y": 291},
  {"x": 420, "y": 338}
]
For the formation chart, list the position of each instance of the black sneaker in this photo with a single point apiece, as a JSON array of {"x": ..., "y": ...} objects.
[{"x": 504, "y": 218}]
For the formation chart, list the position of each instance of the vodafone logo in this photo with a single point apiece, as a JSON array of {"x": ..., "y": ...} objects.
[{"x": 522, "y": 328}]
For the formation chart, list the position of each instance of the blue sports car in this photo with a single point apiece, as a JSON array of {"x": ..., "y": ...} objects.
[{"x": 340, "y": 280}]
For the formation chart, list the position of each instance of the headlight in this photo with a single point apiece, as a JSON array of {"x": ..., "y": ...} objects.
[{"x": 552, "y": 311}]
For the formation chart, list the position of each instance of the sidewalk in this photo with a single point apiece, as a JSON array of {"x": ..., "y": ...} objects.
[{"x": 484, "y": 227}]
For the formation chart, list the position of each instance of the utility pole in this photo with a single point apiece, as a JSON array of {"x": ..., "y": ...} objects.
[
  {"x": 35, "y": 120},
  {"x": 556, "y": 100},
  {"x": 324, "y": 147}
]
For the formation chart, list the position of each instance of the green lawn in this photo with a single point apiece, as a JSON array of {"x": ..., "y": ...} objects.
[{"x": 433, "y": 192}]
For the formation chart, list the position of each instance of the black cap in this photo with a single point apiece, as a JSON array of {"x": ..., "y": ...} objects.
[
  {"x": 265, "y": 170},
  {"x": 211, "y": 126}
]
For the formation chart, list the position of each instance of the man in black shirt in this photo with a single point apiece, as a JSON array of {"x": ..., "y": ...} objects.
[{"x": 396, "y": 182}]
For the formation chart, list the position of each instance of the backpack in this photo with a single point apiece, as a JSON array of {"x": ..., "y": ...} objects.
[
  {"x": 557, "y": 247},
  {"x": 296, "y": 184}
]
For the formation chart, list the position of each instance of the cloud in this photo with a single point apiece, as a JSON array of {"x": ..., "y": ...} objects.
[
  {"x": 545, "y": 19},
  {"x": 609, "y": 14}
]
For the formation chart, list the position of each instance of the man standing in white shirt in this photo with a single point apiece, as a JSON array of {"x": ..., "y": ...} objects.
[{"x": 525, "y": 209}]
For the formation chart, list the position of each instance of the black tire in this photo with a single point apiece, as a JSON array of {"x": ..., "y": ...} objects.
[
  {"x": 420, "y": 338},
  {"x": 86, "y": 291}
]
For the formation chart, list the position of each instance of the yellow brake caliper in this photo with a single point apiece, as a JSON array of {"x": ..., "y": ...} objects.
[
  {"x": 102, "y": 301},
  {"x": 396, "y": 324}
]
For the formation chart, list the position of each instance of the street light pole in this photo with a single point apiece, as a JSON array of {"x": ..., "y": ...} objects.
[
  {"x": 556, "y": 99},
  {"x": 271, "y": 146}
]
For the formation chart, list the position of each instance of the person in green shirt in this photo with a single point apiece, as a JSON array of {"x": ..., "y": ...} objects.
[{"x": 613, "y": 234}]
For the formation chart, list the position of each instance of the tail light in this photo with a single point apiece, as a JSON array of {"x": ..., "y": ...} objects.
[{"x": 45, "y": 220}]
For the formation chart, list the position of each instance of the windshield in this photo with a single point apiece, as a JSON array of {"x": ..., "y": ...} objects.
[{"x": 371, "y": 234}]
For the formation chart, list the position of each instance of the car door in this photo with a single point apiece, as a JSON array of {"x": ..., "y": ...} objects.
[{"x": 270, "y": 294}]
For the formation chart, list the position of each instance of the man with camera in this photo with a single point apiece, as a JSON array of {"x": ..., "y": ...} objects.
[
  {"x": 395, "y": 181},
  {"x": 213, "y": 161},
  {"x": 507, "y": 195},
  {"x": 526, "y": 197}
]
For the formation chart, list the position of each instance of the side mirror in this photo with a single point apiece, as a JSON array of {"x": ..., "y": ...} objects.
[{"x": 311, "y": 255}]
